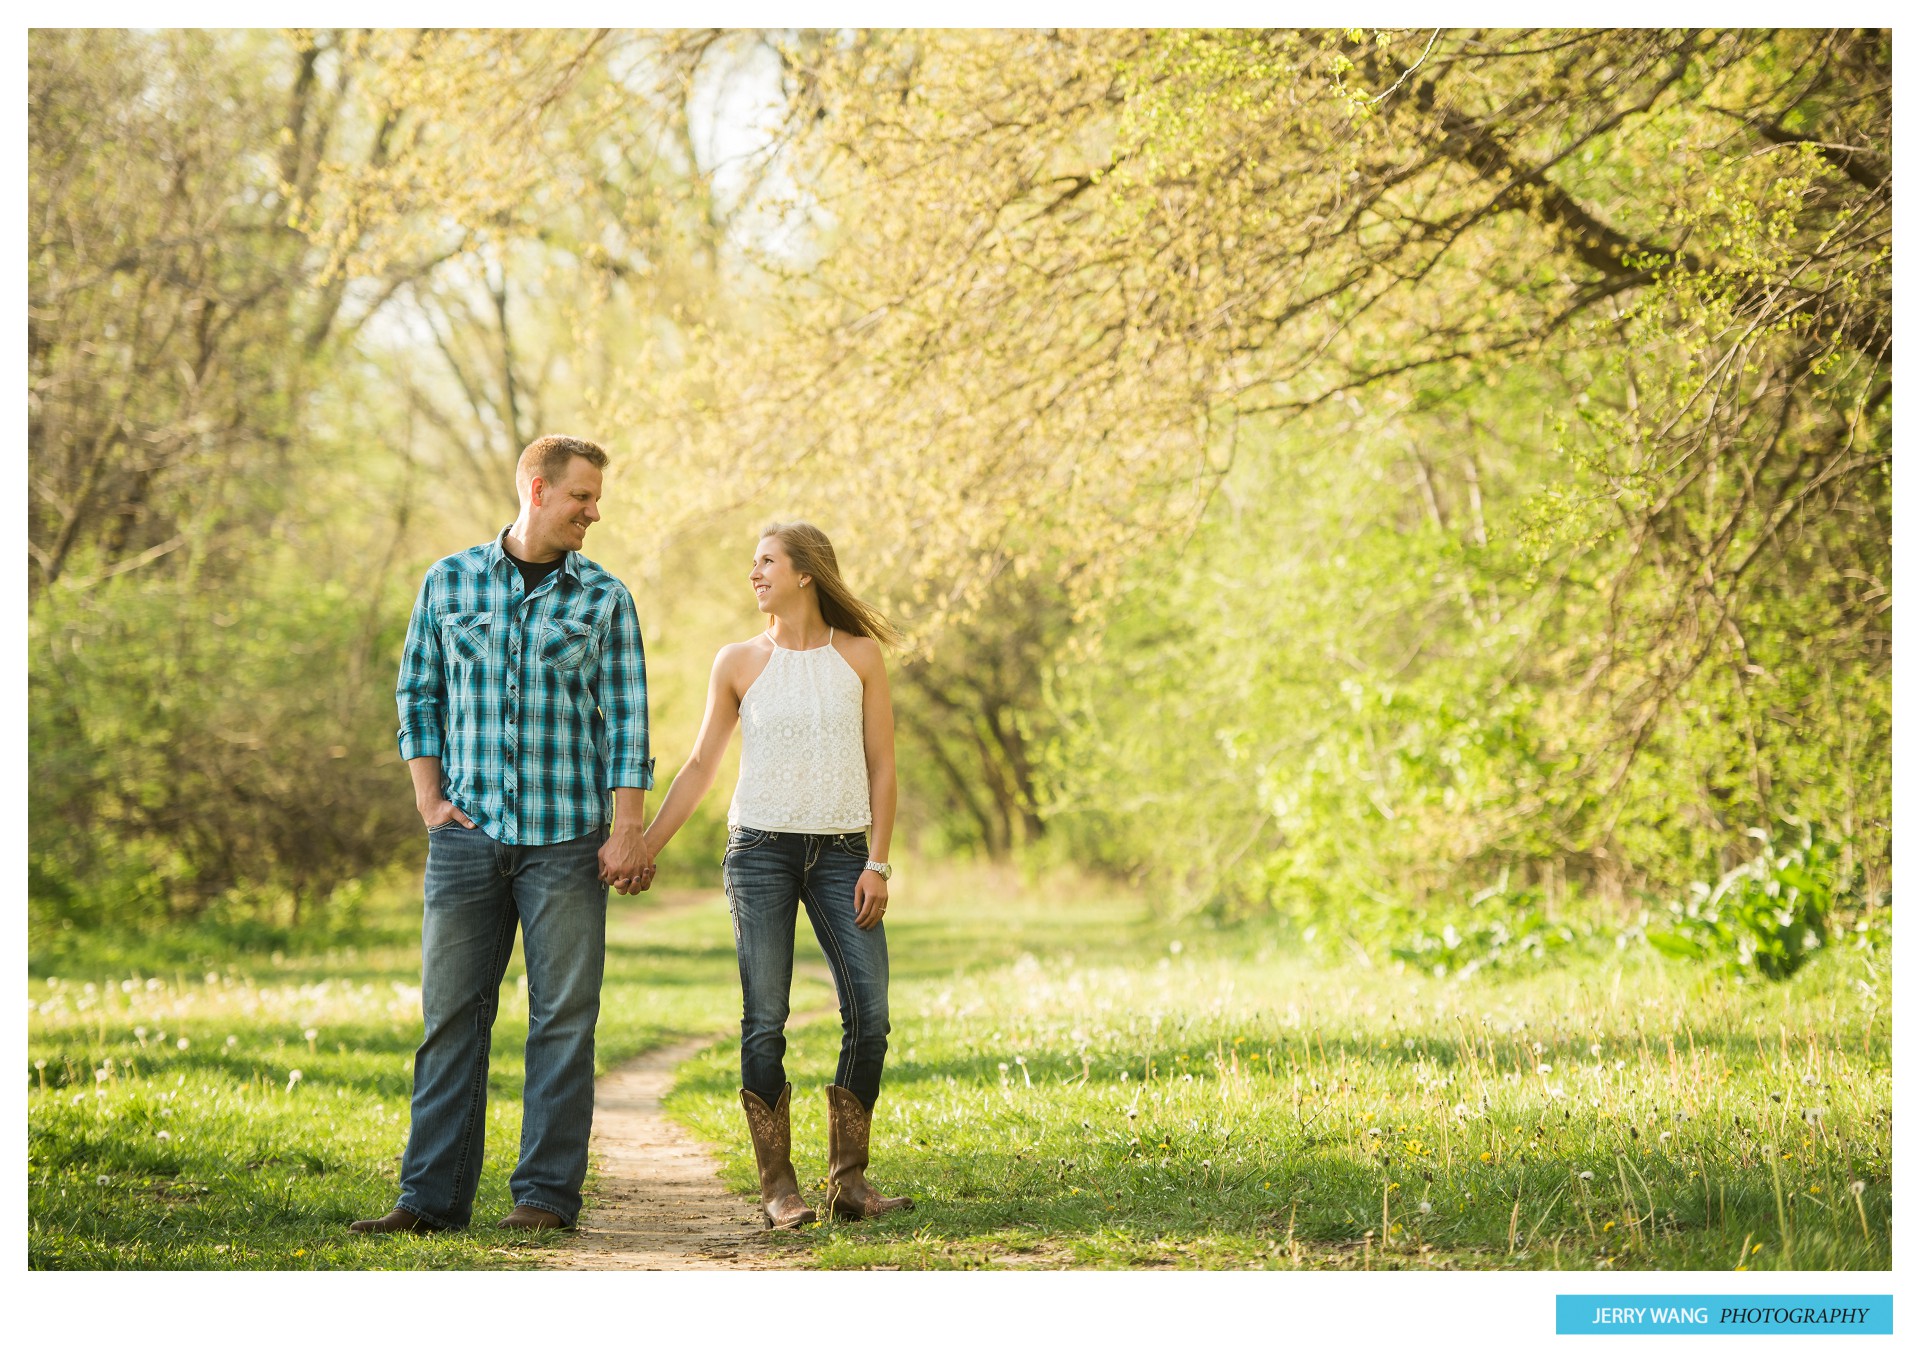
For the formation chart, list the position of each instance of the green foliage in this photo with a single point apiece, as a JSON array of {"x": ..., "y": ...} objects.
[
  {"x": 1769, "y": 915},
  {"x": 210, "y": 743}
]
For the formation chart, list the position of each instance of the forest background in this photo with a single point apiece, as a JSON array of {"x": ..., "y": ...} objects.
[{"x": 1435, "y": 486}]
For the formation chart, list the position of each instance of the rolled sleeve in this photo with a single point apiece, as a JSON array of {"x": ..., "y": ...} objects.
[
  {"x": 422, "y": 691},
  {"x": 623, "y": 698}
]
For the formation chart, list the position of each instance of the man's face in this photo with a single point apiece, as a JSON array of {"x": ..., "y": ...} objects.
[{"x": 564, "y": 507}]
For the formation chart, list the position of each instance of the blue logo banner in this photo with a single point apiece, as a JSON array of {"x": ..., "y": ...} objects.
[{"x": 1668, "y": 1315}]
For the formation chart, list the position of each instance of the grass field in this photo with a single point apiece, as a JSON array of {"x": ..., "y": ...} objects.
[
  {"x": 1070, "y": 1084},
  {"x": 196, "y": 1108}
]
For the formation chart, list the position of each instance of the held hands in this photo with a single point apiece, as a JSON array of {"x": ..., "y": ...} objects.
[
  {"x": 626, "y": 861},
  {"x": 440, "y": 811},
  {"x": 869, "y": 899}
]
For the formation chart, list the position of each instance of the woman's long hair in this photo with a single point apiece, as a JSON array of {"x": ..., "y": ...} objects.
[{"x": 811, "y": 553}]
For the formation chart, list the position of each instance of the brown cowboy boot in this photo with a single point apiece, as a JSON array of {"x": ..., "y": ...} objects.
[
  {"x": 780, "y": 1198},
  {"x": 848, "y": 1191}
]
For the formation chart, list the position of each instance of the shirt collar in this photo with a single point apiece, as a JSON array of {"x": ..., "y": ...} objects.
[{"x": 569, "y": 559}]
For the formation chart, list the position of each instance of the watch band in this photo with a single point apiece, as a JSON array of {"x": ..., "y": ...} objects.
[{"x": 884, "y": 869}]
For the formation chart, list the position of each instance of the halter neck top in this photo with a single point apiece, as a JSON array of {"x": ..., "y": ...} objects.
[{"x": 803, "y": 757}]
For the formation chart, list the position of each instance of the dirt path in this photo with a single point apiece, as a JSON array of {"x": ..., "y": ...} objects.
[{"x": 658, "y": 1203}]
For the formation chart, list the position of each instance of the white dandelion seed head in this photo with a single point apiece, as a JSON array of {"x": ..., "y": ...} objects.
[
  {"x": 1426, "y": 1207},
  {"x": 1586, "y": 1175},
  {"x": 294, "y": 1077},
  {"x": 182, "y": 1044}
]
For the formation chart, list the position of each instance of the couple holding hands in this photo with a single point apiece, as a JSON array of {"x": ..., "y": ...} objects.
[{"x": 523, "y": 709}]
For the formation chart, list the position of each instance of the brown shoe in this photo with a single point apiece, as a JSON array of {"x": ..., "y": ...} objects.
[
  {"x": 848, "y": 1191},
  {"x": 395, "y": 1221},
  {"x": 780, "y": 1199},
  {"x": 532, "y": 1217}
]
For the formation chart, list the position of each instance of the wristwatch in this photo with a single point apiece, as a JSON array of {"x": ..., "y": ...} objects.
[{"x": 884, "y": 869}]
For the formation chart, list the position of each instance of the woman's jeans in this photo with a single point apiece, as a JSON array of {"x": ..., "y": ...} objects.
[
  {"x": 477, "y": 892},
  {"x": 769, "y": 874}
]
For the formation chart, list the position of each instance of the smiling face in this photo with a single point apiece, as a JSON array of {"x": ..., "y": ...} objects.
[
  {"x": 563, "y": 508},
  {"x": 776, "y": 586}
]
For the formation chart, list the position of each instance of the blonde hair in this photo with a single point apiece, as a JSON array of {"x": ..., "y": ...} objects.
[
  {"x": 548, "y": 458},
  {"x": 811, "y": 553}
]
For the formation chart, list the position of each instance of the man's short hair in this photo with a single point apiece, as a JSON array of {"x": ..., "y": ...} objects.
[{"x": 547, "y": 459}]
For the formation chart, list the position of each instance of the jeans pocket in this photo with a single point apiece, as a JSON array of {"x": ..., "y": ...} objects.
[
  {"x": 853, "y": 844},
  {"x": 744, "y": 839},
  {"x": 444, "y": 825}
]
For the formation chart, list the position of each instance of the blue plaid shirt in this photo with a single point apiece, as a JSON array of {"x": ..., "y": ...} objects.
[{"x": 535, "y": 703}]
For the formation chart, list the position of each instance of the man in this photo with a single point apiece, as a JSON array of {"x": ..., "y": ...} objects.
[{"x": 523, "y": 704}]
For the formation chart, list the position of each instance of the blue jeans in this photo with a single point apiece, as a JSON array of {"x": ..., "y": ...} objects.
[
  {"x": 477, "y": 891},
  {"x": 769, "y": 875}
]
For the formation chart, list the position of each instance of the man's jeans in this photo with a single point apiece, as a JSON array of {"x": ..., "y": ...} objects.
[
  {"x": 477, "y": 891},
  {"x": 769, "y": 875}
]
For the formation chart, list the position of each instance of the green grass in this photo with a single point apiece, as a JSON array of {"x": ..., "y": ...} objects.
[
  {"x": 1070, "y": 1084},
  {"x": 166, "y": 1128},
  {"x": 1065, "y": 1088}
]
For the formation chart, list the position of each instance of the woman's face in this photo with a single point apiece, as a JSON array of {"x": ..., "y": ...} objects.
[{"x": 775, "y": 584}]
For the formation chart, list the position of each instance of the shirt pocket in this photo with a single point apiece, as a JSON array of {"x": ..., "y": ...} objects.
[
  {"x": 566, "y": 644},
  {"x": 465, "y": 637}
]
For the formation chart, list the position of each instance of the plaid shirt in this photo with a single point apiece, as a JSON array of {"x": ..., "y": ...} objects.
[{"x": 536, "y": 704}]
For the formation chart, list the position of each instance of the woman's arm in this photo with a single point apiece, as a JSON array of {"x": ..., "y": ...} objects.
[
  {"x": 870, "y": 895},
  {"x": 696, "y": 776}
]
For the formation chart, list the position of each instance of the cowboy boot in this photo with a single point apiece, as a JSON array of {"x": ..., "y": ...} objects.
[
  {"x": 848, "y": 1192},
  {"x": 780, "y": 1197}
]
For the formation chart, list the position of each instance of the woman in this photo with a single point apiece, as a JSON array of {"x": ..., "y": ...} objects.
[{"x": 816, "y": 771}]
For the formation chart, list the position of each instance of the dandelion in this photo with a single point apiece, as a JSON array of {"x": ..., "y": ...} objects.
[
  {"x": 1665, "y": 1136},
  {"x": 1593, "y": 1049},
  {"x": 312, "y": 1035},
  {"x": 294, "y": 1077},
  {"x": 182, "y": 1044},
  {"x": 104, "y": 1180},
  {"x": 233, "y": 1040},
  {"x": 1586, "y": 1175},
  {"x": 99, "y": 1076},
  {"x": 1856, "y": 1186},
  {"x": 164, "y": 1135},
  {"x": 1174, "y": 947},
  {"x": 1486, "y": 1157},
  {"x": 1426, "y": 1207},
  {"x": 1546, "y": 1069}
]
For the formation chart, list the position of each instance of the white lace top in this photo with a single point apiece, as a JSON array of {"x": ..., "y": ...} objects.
[{"x": 803, "y": 758}]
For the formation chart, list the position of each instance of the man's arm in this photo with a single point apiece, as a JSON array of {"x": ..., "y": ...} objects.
[
  {"x": 422, "y": 697},
  {"x": 623, "y": 700},
  {"x": 434, "y": 808}
]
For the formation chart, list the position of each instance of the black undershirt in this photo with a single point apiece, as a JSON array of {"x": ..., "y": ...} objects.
[{"x": 532, "y": 574}]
